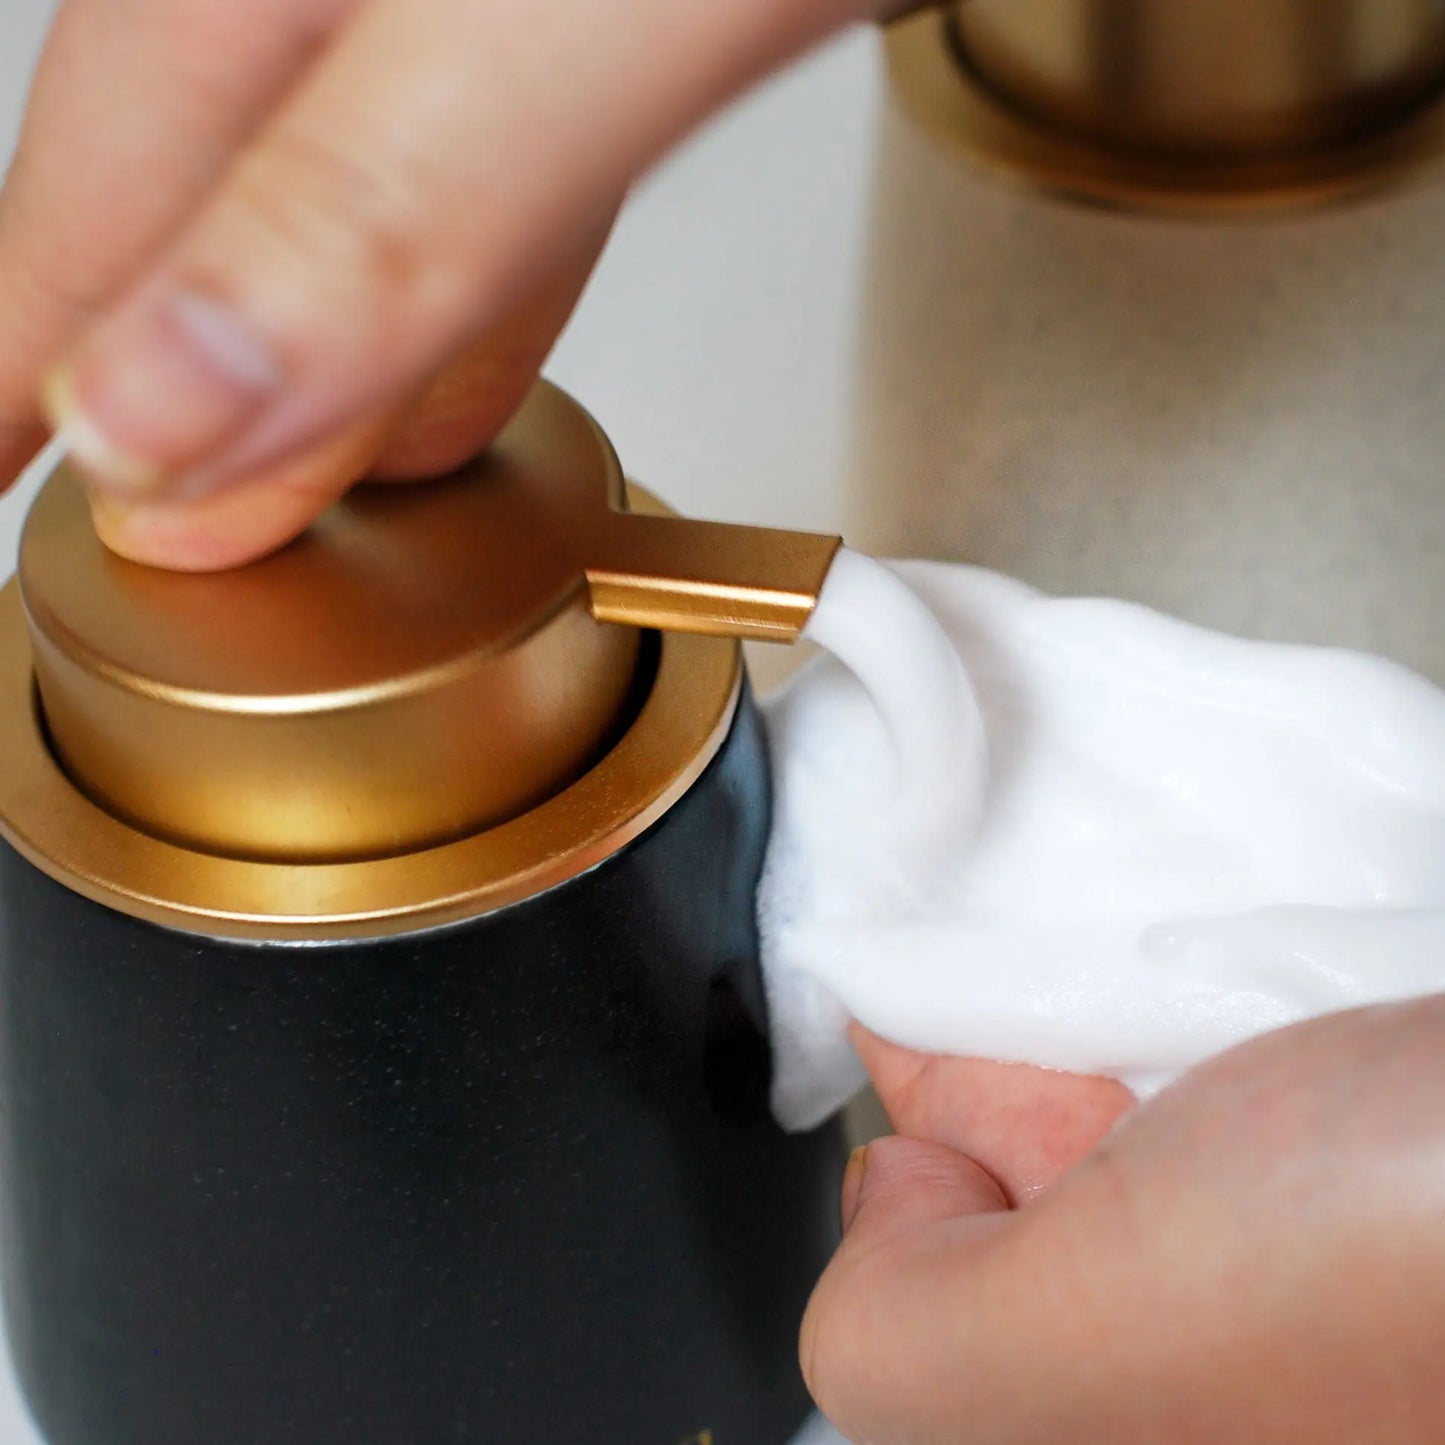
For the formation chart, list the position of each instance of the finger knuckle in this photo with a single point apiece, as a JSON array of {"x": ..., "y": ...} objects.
[
  {"x": 829, "y": 1345},
  {"x": 39, "y": 278},
  {"x": 813, "y": 1352},
  {"x": 351, "y": 226}
]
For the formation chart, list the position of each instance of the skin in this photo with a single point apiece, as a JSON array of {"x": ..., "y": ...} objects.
[
  {"x": 1255, "y": 1255},
  {"x": 335, "y": 239}
]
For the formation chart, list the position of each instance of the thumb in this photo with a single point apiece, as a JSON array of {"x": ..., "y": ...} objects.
[
  {"x": 882, "y": 1321},
  {"x": 897, "y": 1185}
]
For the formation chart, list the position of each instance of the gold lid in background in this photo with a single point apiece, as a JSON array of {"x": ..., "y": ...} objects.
[
  {"x": 1210, "y": 78},
  {"x": 1185, "y": 104},
  {"x": 437, "y": 699}
]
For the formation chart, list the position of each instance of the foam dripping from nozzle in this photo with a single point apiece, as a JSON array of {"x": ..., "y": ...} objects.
[{"x": 932, "y": 790}]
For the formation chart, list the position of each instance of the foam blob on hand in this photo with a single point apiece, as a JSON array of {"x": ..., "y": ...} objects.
[{"x": 1178, "y": 840}]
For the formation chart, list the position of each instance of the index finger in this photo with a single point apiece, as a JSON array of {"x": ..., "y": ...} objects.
[
  {"x": 431, "y": 170},
  {"x": 1027, "y": 1126},
  {"x": 135, "y": 107}
]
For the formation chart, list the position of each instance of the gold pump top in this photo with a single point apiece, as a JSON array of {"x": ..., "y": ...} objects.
[{"x": 424, "y": 663}]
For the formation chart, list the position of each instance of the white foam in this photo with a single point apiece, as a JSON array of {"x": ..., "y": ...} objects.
[{"x": 1128, "y": 844}]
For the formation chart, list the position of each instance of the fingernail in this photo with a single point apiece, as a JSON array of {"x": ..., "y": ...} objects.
[
  {"x": 110, "y": 517},
  {"x": 853, "y": 1185},
  {"x": 159, "y": 391},
  {"x": 87, "y": 445}
]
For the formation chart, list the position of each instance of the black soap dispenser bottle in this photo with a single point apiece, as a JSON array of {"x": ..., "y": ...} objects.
[{"x": 383, "y": 1048}]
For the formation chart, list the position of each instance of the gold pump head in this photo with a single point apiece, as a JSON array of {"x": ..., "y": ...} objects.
[
  {"x": 439, "y": 698},
  {"x": 1184, "y": 105}
]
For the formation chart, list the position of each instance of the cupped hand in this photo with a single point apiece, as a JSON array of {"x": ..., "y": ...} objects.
[
  {"x": 1257, "y": 1255},
  {"x": 254, "y": 249}
]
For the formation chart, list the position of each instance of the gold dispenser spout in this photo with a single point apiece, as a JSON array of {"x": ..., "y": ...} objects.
[
  {"x": 708, "y": 577},
  {"x": 1185, "y": 104}
]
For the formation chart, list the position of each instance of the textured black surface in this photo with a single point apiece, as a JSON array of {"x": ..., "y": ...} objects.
[{"x": 512, "y": 1182}]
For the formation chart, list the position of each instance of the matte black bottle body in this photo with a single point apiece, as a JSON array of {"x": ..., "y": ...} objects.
[{"x": 513, "y": 1181}]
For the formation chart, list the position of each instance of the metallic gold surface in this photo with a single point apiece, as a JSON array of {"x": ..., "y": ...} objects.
[
  {"x": 424, "y": 663},
  {"x": 680, "y": 575},
  {"x": 1194, "y": 106},
  {"x": 1209, "y": 78},
  {"x": 409, "y": 717},
  {"x": 676, "y": 734}
]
